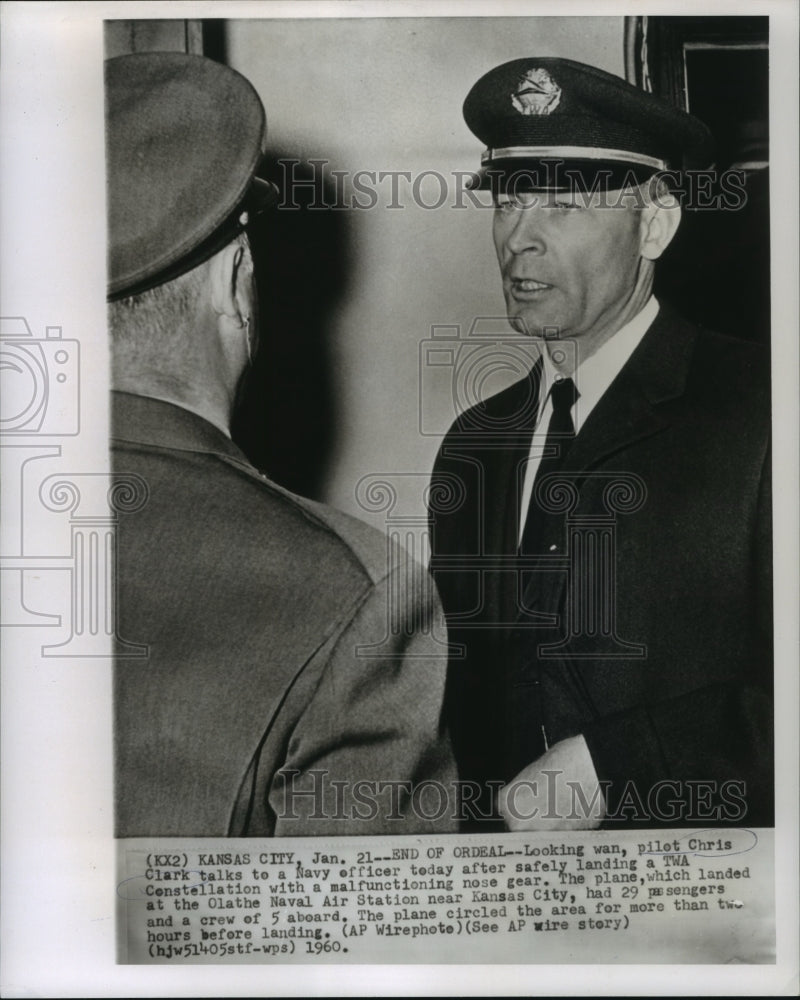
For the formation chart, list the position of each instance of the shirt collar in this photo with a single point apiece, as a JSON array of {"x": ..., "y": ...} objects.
[{"x": 596, "y": 373}]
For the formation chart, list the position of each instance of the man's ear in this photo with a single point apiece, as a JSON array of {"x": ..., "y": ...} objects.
[
  {"x": 224, "y": 274},
  {"x": 660, "y": 220}
]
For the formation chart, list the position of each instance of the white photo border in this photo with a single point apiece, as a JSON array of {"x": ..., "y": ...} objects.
[{"x": 58, "y": 851}]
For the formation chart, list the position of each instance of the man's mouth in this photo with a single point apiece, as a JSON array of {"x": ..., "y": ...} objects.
[{"x": 528, "y": 286}]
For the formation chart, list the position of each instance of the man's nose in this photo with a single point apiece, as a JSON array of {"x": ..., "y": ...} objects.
[{"x": 528, "y": 233}]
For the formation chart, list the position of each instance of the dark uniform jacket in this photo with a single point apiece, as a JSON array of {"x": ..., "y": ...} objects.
[
  {"x": 646, "y": 622},
  {"x": 284, "y": 646}
]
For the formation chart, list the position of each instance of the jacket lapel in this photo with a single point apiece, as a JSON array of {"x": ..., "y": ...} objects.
[
  {"x": 630, "y": 411},
  {"x": 504, "y": 463}
]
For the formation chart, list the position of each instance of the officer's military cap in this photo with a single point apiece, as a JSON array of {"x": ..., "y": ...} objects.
[
  {"x": 184, "y": 137},
  {"x": 535, "y": 113}
]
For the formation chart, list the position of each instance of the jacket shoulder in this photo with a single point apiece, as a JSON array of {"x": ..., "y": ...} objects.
[
  {"x": 216, "y": 508},
  {"x": 734, "y": 371},
  {"x": 362, "y": 543},
  {"x": 341, "y": 535},
  {"x": 746, "y": 355},
  {"x": 504, "y": 415}
]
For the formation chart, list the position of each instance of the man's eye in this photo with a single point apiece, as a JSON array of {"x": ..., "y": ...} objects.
[
  {"x": 507, "y": 205},
  {"x": 567, "y": 206}
]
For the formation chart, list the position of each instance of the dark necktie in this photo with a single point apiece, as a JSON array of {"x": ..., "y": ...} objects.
[{"x": 560, "y": 435}]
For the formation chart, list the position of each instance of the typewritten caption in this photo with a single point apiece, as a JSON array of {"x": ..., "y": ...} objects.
[{"x": 607, "y": 896}]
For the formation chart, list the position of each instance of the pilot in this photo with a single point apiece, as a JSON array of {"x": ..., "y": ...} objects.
[{"x": 608, "y": 578}]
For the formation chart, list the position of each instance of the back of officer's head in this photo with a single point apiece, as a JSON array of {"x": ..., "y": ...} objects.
[
  {"x": 184, "y": 138},
  {"x": 165, "y": 322}
]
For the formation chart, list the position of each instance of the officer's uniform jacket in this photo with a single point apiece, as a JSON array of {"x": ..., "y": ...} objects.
[
  {"x": 283, "y": 646},
  {"x": 668, "y": 673}
]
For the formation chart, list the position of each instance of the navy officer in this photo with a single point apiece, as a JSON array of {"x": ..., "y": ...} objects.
[{"x": 293, "y": 682}]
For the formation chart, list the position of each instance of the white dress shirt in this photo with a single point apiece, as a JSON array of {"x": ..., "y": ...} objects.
[{"x": 592, "y": 377}]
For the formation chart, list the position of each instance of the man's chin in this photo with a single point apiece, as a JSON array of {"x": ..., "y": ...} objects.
[
  {"x": 518, "y": 324},
  {"x": 537, "y": 329}
]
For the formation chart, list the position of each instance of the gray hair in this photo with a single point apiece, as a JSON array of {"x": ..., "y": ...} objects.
[{"x": 159, "y": 320}]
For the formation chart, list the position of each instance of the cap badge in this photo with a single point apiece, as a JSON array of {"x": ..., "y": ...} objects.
[{"x": 537, "y": 93}]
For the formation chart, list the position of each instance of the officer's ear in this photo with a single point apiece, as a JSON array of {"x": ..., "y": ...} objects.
[
  {"x": 661, "y": 216},
  {"x": 225, "y": 277}
]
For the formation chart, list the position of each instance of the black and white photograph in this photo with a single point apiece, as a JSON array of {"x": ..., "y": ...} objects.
[{"x": 399, "y": 442}]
